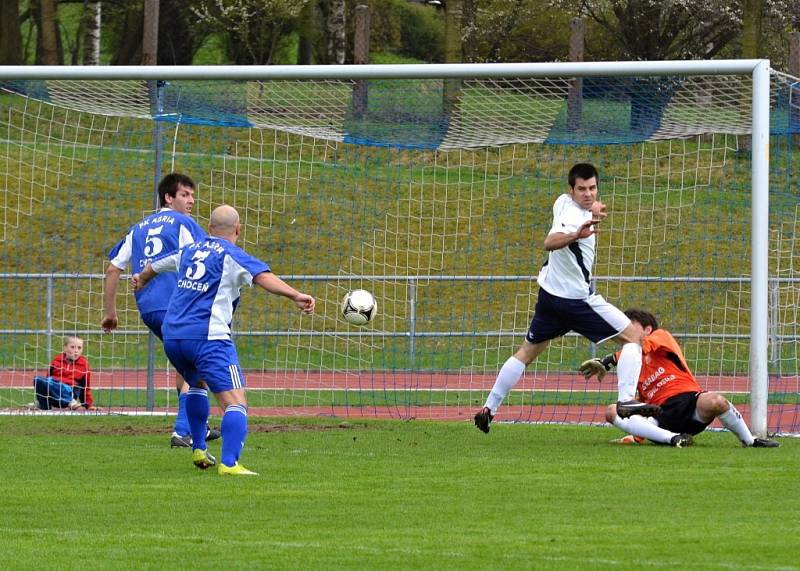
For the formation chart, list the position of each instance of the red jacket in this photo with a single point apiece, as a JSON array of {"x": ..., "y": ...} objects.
[{"x": 73, "y": 373}]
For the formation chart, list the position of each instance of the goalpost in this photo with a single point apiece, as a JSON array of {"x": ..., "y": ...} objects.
[{"x": 430, "y": 186}]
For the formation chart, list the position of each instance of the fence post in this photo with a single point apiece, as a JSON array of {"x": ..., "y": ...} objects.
[
  {"x": 794, "y": 94},
  {"x": 49, "y": 316},
  {"x": 774, "y": 341},
  {"x": 157, "y": 88},
  {"x": 412, "y": 325}
]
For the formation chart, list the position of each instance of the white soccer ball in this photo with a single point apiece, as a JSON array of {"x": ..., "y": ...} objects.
[{"x": 359, "y": 307}]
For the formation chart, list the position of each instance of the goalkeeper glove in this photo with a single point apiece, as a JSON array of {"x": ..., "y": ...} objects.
[{"x": 598, "y": 367}]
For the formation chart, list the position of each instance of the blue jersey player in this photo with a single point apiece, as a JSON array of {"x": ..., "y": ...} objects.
[
  {"x": 154, "y": 236},
  {"x": 197, "y": 333}
]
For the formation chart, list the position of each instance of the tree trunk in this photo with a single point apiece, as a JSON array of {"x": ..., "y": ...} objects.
[
  {"x": 453, "y": 52},
  {"x": 150, "y": 37},
  {"x": 306, "y": 35},
  {"x": 752, "y": 45},
  {"x": 48, "y": 33},
  {"x": 91, "y": 33},
  {"x": 10, "y": 37},
  {"x": 752, "y": 20},
  {"x": 337, "y": 38}
]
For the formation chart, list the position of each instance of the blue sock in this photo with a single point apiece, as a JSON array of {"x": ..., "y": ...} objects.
[
  {"x": 197, "y": 411},
  {"x": 234, "y": 433},
  {"x": 181, "y": 422}
]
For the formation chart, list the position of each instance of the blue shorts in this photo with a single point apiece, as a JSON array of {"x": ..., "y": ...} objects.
[
  {"x": 153, "y": 320},
  {"x": 593, "y": 317},
  {"x": 214, "y": 362}
]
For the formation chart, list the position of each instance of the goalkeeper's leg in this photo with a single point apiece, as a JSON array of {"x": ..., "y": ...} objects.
[
  {"x": 711, "y": 404},
  {"x": 640, "y": 426}
]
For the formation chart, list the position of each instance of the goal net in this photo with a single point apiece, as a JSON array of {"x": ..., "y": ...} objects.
[{"x": 433, "y": 194}]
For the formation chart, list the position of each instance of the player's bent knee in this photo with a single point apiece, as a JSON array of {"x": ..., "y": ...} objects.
[
  {"x": 713, "y": 402},
  {"x": 231, "y": 398},
  {"x": 611, "y": 413},
  {"x": 528, "y": 351}
]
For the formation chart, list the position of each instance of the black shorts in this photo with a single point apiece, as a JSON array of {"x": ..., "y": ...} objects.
[
  {"x": 677, "y": 414},
  {"x": 593, "y": 317}
]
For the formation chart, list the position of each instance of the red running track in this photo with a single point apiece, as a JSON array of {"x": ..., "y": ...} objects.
[
  {"x": 781, "y": 418},
  {"x": 394, "y": 380}
]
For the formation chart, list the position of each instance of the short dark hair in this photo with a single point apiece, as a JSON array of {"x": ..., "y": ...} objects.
[
  {"x": 642, "y": 317},
  {"x": 584, "y": 171},
  {"x": 169, "y": 186}
]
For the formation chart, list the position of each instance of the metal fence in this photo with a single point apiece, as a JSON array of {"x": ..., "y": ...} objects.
[{"x": 774, "y": 339}]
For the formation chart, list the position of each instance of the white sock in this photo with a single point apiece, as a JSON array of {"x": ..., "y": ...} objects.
[
  {"x": 509, "y": 375},
  {"x": 628, "y": 369},
  {"x": 733, "y": 421},
  {"x": 641, "y": 426}
]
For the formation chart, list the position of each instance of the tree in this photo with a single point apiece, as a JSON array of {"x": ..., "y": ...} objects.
[
  {"x": 335, "y": 30},
  {"x": 253, "y": 29},
  {"x": 49, "y": 46},
  {"x": 10, "y": 36},
  {"x": 686, "y": 29},
  {"x": 514, "y": 30},
  {"x": 657, "y": 30},
  {"x": 307, "y": 33},
  {"x": 90, "y": 24},
  {"x": 337, "y": 36},
  {"x": 179, "y": 34}
]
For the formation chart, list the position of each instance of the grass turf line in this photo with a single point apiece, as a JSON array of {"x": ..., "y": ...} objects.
[{"x": 108, "y": 493}]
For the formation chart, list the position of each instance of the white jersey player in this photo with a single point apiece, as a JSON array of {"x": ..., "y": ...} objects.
[{"x": 567, "y": 301}]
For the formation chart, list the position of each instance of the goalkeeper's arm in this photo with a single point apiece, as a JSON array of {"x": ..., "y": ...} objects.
[{"x": 598, "y": 366}]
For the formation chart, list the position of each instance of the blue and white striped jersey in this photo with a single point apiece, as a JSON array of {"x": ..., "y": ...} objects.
[
  {"x": 154, "y": 236},
  {"x": 210, "y": 275}
]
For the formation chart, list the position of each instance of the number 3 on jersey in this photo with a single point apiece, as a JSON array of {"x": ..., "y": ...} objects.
[{"x": 198, "y": 269}]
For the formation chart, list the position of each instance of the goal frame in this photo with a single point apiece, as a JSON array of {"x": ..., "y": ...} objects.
[{"x": 758, "y": 69}]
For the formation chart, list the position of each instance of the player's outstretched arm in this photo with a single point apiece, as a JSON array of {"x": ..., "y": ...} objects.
[
  {"x": 110, "y": 322},
  {"x": 276, "y": 285}
]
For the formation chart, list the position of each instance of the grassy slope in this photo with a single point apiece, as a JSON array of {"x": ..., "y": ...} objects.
[
  {"x": 312, "y": 207},
  {"x": 109, "y": 494}
]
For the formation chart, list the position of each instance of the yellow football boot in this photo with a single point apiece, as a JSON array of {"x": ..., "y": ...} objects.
[
  {"x": 203, "y": 459},
  {"x": 235, "y": 470}
]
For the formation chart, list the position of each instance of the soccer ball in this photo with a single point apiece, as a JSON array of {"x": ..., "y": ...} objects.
[{"x": 359, "y": 307}]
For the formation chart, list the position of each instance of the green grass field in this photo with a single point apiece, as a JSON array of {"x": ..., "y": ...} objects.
[{"x": 108, "y": 493}]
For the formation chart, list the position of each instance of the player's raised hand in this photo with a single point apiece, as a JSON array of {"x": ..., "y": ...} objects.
[
  {"x": 586, "y": 229},
  {"x": 598, "y": 211}
]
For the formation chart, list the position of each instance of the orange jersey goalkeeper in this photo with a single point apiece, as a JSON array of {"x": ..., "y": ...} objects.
[
  {"x": 666, "y": 381},
  {"x": 664, "y": 369}
]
